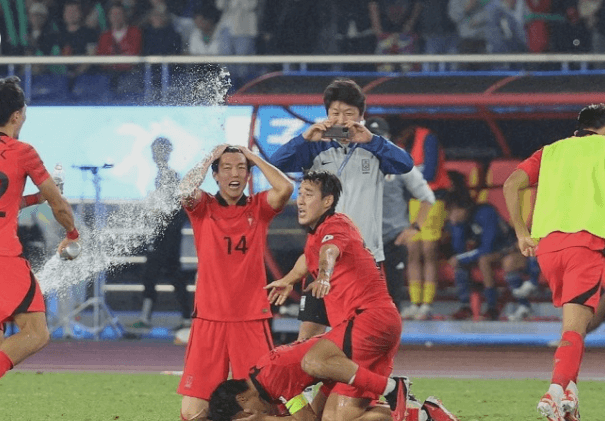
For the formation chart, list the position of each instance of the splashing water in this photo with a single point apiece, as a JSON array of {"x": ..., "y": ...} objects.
[{"x": 131, "y": 227}]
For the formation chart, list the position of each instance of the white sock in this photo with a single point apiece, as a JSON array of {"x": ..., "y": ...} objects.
[
  {"x": 573, "y": 387},
  {"x": 391, "y": 383},
  {"x": 556, "y": 391}
]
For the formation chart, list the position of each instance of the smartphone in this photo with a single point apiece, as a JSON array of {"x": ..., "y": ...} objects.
[{"x": 337, "y": 132}]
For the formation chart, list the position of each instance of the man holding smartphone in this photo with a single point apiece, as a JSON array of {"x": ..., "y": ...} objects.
[{"x": 341, "y": 144}]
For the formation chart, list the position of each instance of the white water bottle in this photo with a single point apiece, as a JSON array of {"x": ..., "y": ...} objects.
[
  {"x": 71, "y": 251},
  {"x": 59, "y": 176}
]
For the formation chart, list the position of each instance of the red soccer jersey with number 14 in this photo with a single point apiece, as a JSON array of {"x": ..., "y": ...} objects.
[
  {"x": 17, "y": 161},
  {"x": 230, "y": 242}
]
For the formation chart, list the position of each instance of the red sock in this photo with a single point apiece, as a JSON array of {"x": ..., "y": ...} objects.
[
  {"x": 568, "y": 358},
  {"x": 371, "y": 382},
  {"x": 5, "y": 363}
]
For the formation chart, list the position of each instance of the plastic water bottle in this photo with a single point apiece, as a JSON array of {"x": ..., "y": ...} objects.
[
  {"x": 71, "y": 251},
  {"x": 59, "y": 176}
]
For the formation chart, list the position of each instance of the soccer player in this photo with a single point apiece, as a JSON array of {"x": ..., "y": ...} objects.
[
  {"x": 568, "y": 224},
  {"x": 230, "y": 306},
  {"x": 360, "y": 161},
  {"x": 366, "y": 325},
  {"x": 21, "y": 299}
]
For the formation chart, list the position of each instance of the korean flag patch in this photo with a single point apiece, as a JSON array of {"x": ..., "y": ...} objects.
[{"x": 327, "y": 238}]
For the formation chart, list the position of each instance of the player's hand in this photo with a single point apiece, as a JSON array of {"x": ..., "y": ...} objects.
[
  {"x": 315, "y": 133},
  {"x": 405, "y": 236},
  {"x": 358, "y": 133},
  {"x": 319, "y": 288},
  {"x": 453, "y": 261},
  {"x": 192, "y": 200},
  {"x": 527, "y": 246},
  {"x": 218, "y": 151},
  {"x": 65, "y": 243},
  {"x": 280, "y": 291}
]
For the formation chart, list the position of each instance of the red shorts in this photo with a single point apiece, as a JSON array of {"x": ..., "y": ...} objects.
[
  {"x": 20, "y": 290},
  {"x": 215, "y": 346},
  {"x": 371, "y": 339},
  {"x": 574, "y": 275}
]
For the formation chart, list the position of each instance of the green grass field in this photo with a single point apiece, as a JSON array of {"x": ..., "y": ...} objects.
[{"x": 26, "y": 396}]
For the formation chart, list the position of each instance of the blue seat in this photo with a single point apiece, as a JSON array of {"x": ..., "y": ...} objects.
[
  {"x": 49, "y": 89},
  {"x": 91, "y": 89}
]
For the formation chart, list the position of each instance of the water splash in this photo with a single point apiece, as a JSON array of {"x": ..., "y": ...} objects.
[{"x": 132, "y": 227}]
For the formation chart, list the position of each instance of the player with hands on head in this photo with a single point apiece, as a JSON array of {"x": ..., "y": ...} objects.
[
  {"x": 230, "y": 305},
  {"x": 568, "y": 226},
  {"x": 22, "y": 300}
]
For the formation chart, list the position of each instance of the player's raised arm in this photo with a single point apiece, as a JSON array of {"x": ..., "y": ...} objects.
[
  {"x": 281, "y": 187},
  {"x": 320, "y": 287},
  {"x": 61, "y": 210},
  {"x": 189, "y": 191}
]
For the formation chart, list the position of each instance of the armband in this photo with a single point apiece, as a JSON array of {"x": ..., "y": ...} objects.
[{"x": 73, "y": 234}]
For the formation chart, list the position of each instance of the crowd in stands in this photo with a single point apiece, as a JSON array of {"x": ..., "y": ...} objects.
[{"x": 275, "y": 27}]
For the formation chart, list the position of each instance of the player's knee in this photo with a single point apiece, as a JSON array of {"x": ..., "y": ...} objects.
[
  {"x": 189, "y": 415},
  {"x": 39, "y": 336},
  {"x": 312, "y": 365},
  {"x": 194, "y": 409}
]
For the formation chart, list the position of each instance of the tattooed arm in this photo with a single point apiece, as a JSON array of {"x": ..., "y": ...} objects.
[{"x": 189, "y": 191}]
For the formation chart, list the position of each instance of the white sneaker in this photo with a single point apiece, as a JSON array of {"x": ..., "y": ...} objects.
[
  {"x": 549, "y": 407},
  {"x": 522, "y": 313},
  {"x": 410, "y": 312},
  {"x": 525, "y": 290},
  {"x": 425, "y": 312},
  {"x": 570, "y": 404}
]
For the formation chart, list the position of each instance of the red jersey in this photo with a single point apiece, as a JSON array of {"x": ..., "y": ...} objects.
[
  {"x": 230, "y": 242},
  {"x": 17, "y": 161},
  {"x": 356, "y": 282},
  {"x": 278, "y": 375},
  {"x": 558, "y": 240}
]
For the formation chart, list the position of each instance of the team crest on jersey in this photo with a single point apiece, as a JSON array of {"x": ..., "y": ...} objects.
[
  {"x": 188, "y": 382},
  {"x": 327, "y": 238},
  {"x": 365, "y": 166},
  {"x": 250, "y": 219}
]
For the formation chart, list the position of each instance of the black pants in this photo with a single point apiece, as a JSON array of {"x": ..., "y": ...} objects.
[
  {"x": 395, "y": 262},
  {"x": 164, "y": 262}
]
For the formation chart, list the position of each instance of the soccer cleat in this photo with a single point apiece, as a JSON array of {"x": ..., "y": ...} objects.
[
  {"x": 463, "y": 313},
  {"x": 521, "y": 313},
  {"x": 414, "y": 411},
  {"x": 398, "y": 397},
  {"x": 549, "y": 407},
  {"x": 436, "y": 411},
  {"x": 410, "y": 312},
  {"x": 425, "y": 312},
  {"x": 525, "y": 290},
  {"x": 570, "y": 405}
]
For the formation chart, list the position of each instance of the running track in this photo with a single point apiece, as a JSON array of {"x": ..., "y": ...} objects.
[{"x": 437, "y": 361}]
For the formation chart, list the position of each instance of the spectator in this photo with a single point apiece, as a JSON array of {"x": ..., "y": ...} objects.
[
  {"x": 570, "y": 34},
  {"x": 506, "y": 27},
  {"x": 76, "y": 39},
  {"x": 470, "y": 17},
  {"x": 121, "y": 39},
  {"x": 355, "y": 30},
  {"x": 160, "y": 38},
  {"x": 396, "y": 227},
  {"x": 482, "y": 230},
  {"x": 360, "y": 160},
  {"x": 164, "y": 254},
  {"x": 591, "y": 12},
  {"x": 394, "y": 23},
  {"x": 538, "y": 34},
  {"x": 208, "y": 38},
  {"x": 42, "y": 39},
  {"x": 13, "y": 29},
  {"x": 437, "y": 30},
  {"x": 428, "y": 155}
]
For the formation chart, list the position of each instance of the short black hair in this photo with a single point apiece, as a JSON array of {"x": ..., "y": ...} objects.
[
  {"x": 208, "y": 11},
  {"x": 229, "y": 149},
  {"x": 457, "y": 199},
  {"x": 11, "y": 98},
  {"x": 329, "y": 184},
  {"x": 592, "y": 117},
  {"x": 347, "y": 91},
  {"x": 223, "y": 405}
]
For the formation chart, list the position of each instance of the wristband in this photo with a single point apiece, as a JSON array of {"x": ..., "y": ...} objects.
[
  {"x": 73, "y": 234},
  {"x": 32, "y": 199},
  {"x": 415, "y": 226}
]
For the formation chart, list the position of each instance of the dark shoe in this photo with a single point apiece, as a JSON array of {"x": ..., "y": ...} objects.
[
  {"x": 398, "y": 397},
  {"x": 463, "y": 313},
  {"x": 491, "y": 314}
]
